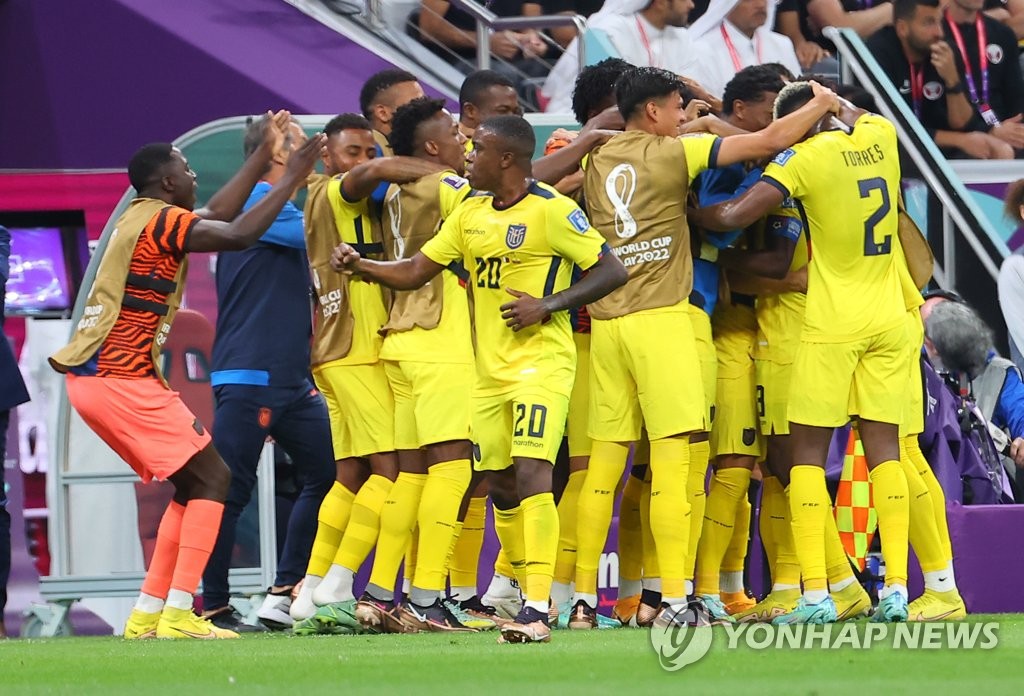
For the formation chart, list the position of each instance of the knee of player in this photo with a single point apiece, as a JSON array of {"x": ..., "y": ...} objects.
[
  {"x": 217, "y": 481},
  {"x": 502, "y": 489},
  {"x": 533, "y": 476}
]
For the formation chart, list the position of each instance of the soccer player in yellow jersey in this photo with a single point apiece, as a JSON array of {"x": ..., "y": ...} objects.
[
  {"x": 853, "y": 358},
  {"x": 780, "y": 311},
  {"x": 428, "y": 357},
  {"x": 348, "y": 372},
  {"x": 643, "y": 353},
  {"x": 520, "y": 242},
  {"x": 928, "y": 537}
]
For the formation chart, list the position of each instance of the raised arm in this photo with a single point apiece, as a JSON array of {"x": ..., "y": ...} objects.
[
  {"x": 364, "y": 179},
  {"x": 405, "y": 274},
  {"x": 781, "y": 133},
  {"x": 601, "y": 278},
  {"x": 740, "y": 212},
  {"x": 227, "y": 203},
  {"x": 559, "y": 164},
  {"x": 247, "y": 228}
]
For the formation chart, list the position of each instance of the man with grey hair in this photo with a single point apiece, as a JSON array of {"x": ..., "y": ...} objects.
[{"x": 960, "y": 341}]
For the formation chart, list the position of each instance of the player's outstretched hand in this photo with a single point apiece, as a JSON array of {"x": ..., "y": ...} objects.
[
  {"x": 277, "y": 127},
  {"x": 824, "y": 92},
  {"x": 525, "y": 310},
  {"x": 302, "y": 161},
  {"x": 343, "y": 258}
]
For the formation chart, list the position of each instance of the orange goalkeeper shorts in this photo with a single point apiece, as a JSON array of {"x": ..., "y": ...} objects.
[{"x": 147, "y": 424}]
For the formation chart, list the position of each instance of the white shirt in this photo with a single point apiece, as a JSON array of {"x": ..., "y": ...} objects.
[
  {"x": 636, "y": 41},
  {"x": 717, "y": 66}
]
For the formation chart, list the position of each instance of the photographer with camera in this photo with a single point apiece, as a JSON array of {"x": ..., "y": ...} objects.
[{"x": 958, "y": 340}]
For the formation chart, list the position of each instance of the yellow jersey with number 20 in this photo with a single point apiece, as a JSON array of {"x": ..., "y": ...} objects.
[{"x": 529, "y": 246}]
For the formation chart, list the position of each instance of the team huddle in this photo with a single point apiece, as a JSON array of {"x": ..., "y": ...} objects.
[{"x": 662, "y": 288}]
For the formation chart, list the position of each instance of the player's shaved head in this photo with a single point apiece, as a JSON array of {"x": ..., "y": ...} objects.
[
  {"x": 792, "y": 97},
  {"x": 513, "y": 134},
  {"x": 147, "y": 164},
  {"x": 639, "y": 86}
]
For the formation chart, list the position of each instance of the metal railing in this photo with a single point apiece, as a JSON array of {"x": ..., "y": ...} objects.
[
  {"x": 968, "y": 252},
  {"x": 486, "y": 23}
]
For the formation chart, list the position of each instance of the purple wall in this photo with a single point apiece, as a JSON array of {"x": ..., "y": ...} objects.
[{"x": 86, "y": 83}]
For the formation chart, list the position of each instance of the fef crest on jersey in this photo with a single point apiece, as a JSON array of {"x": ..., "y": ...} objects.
[{"x": 515, "y": 236}]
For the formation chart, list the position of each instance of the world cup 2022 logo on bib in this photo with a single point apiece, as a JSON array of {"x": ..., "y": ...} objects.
[
  {"x": 515, "y": 236},
  {"x": 619, "y": 186}
]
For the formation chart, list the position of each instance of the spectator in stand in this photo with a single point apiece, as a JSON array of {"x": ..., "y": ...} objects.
[
  {"x": 1009, "y": 12},
  {"x": 921, "y": 64},
  {"x": 563, "y": 36},
  {"x": 986, "y": 56},
  {"x": 451, "y": 33},
  {"x": 863, "y": 16},
  {"x": 736, "y": 34},
  {"x": 1011, "y": 278},
  {"x": 787, "y": 22},
  {"x": 12, "y": 393},
  {"x": 643, "y": 33}
]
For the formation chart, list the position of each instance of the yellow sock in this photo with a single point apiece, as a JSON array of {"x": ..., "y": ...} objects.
[
  {"x": 409, "y": 567},
  {"x": 837, "y": 562},
  {"x": 775, "y": 501},
  {"x": 364, "y": 524},
  {"x": 540, "y": 536},
  {"x": 565, "y": 561},
  {"x": 330, "y": 526},
  {"x": 728, "y": 487},
  {"x": 736, "y": 553},
  {"x": 700, "y": 454},
  {"x": 511, "y": 560},
  {"x": 935, "y": 493},
  {"x": 806, "y": 490},
  {"x": 670, "y": 513},
  {"x": 771, "y": 494},
  {"x": 442, "y": 496},
  {"x": 465, "y": 558},
  {"x": 594, "y": 511},
  {"x": 651, "y": 568},
  {"x": 397, "y": 520},
  {"x": 631, "y": 539},
  {"x": 924, "y": 537},
  {"x": 891, "y": 498}
]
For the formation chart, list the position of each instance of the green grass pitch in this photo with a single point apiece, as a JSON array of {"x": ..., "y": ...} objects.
[{"x": 607, "y": 662}]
